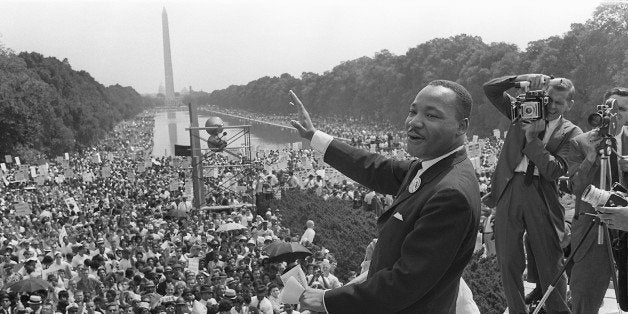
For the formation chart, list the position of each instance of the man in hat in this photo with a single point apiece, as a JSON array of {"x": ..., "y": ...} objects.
[
  {"x": 206, "y": 294},
  {"x": 261, "y": 302},
  {"x": 5, "y": 303},
  {"x": 168, "y": 273},
  {"x": 152, "y": 296},
  {"x": 34, "y": 304}
]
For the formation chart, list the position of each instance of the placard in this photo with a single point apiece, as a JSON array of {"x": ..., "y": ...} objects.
[
  {"x": 40, "y": 180},
  {"x": 496, "y": 133},
  {"x": 8, "y": 159},
  {"x": 22, "y": 209},
  {"x": 3, "y": 166},
  {"x": 193, "y": 264},
  {"x": 70, "y": 202},
  {"x": 105, "y": 172},
  {"x": 17, "y": 161},
  {"x": 67, "y": 156}
]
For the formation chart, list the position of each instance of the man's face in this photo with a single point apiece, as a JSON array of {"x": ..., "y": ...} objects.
[
  {"x": 621, "y": 108},
  {"x": 559, "y": 105},
  {"x": 78, "y": 296},
  {"x": 432, "y": 124}
]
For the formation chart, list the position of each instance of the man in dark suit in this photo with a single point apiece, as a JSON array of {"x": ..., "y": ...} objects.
[
  {"x": 591, "y": 271},
  {"x": 427, "y": 236},
  {"x": 524, "y": 191}
]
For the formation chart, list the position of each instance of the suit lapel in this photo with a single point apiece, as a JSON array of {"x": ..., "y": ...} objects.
[{"x": 426, "y": 177}]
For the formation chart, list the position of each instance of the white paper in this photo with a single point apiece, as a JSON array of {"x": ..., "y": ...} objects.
[
  {"x": 297, "y": 273},
  {"x": 291, "y": 292}
]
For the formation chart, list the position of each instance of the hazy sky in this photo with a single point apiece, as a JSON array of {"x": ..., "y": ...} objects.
[{"x": 219, "y": 43}]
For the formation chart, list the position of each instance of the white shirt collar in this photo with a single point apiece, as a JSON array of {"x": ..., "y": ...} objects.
[{"x": 426, "y": 164}]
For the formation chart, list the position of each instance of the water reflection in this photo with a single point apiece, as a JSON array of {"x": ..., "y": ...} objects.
[{"x": 170, "y": 130}]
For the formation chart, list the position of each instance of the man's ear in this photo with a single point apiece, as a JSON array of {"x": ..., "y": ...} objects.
[{"x": 463, "y": 126}]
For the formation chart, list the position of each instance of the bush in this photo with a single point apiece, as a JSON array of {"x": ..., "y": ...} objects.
[
  {"x": 343, "y": 230},
  {"x": 485, "y": 281}
]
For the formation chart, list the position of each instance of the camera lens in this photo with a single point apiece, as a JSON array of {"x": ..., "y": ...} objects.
[
  {"x": 528, "y": 110},
  {"x": 595, "y": 120}
]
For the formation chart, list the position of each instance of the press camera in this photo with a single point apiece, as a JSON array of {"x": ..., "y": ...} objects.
[{"x": 530, "y": 106}]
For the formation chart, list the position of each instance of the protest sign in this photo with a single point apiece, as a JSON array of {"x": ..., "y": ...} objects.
[
  {"x": 193, "y": 264},
  {"x": 67, "y": 156},
  {"x": 68, "y": 173},
  {"x": 70, "y": 202},
  {"x": 22, "y": 209},
  {"x": 8, "y": 159},
  {"x": 105, "y": 172},
  {"x": 3, "y": 166},
  {"x": 88, "y": 177},
  {"x": 475, "y": 139},
  {"x": 33, "y": 171},
  {"x": 473, "y": 150},
  {"x": 17, "y": 161},
  {"x": 40, "y": 180}
]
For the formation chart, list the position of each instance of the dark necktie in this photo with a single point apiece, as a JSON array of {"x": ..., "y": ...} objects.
[
  {"x": 530, "y": 169},
  {"x": 613, "y": 161}
]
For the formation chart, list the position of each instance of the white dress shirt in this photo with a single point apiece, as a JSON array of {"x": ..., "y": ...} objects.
[{"x": 523, "y": 164}]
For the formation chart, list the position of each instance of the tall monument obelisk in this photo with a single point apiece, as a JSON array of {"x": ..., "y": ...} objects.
[{"x": 170, "y": 100}]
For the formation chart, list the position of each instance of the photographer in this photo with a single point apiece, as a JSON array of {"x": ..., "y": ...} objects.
[
  {"x": 524, "y": 191},
  {"x": 591, "y": 272}
]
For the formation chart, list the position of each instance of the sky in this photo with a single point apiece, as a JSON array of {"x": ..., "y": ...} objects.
[{"x": 220, "y": 43}]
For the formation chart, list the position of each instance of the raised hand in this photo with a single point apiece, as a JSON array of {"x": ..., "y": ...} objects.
[{"x": 304, "y": 124}]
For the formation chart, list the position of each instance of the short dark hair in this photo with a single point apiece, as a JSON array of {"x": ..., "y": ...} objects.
[
  {"x": 619, "y": 91},
  {"x": 463, "y": 97},
  {"x": 565, "y": 85}
]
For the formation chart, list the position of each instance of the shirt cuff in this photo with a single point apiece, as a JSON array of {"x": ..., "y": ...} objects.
[{"x": 320, "y": 141}]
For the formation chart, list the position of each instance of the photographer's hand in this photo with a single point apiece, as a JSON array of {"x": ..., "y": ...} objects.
[
  {"x": 614, "y": 217},
  {"x": 532, "y": 129},
  {"x": 304, "y": 125},
  {"x": 590, "y": 145},
  {"x": 537, "y": 81}
]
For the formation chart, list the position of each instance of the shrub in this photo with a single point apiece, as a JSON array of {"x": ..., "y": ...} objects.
[
  {"x": 343, "y": 230},
  {"x": 485, "y": 281}
]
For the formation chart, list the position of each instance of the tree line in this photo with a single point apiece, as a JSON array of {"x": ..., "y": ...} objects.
[
  {"x": 47, "y": 107},
  {"x": 593, "y": 54}
]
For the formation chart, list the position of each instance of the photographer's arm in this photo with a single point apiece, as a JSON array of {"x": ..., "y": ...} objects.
[
  {"x": 495, "y": 89},
  {"x": 583, "y": 164},
  {"x": 551, "y": 166}
]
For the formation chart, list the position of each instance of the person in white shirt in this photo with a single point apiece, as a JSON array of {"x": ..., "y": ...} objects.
[{"x": 308, "y": 235}]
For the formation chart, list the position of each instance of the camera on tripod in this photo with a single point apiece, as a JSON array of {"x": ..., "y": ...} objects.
[{"x": 602, "y": 117}]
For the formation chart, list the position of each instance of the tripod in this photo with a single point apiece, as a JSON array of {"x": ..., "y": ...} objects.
[{"x": 603, "y": 236}]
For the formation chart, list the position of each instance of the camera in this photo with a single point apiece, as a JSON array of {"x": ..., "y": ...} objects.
[
  {"x": 598, "y": 197},
  {"x": 602, "y": 117},
  {"x": 530, "y": 106}
]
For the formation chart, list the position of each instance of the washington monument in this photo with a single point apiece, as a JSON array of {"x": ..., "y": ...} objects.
[{"x": 170, "y": 100}]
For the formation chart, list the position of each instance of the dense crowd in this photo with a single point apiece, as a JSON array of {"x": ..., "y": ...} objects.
[{"x": 112, "y": 229}]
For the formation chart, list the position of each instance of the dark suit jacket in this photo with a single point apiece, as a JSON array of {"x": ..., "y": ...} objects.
[
  {"x": 417, "y": 262},
  {"x": 550, "y": 159},
  {"x": 582, "y": 174}
]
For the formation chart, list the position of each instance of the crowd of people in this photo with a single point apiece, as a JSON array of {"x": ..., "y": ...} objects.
[{"x": 112, "y": 229}]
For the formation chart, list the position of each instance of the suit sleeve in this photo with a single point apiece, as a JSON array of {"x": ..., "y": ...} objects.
[
  {"x": 495, "y": 91},
  {"x": 427, "y": 255},
  {"x": 381, "y": 174},
  {"x": 581, "y": 171},
  {"x": 551, "y": 166}
]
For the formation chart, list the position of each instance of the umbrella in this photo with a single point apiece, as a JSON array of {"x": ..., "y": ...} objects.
[
  {"x": 28, "y": 285},
  {"x": 230, "y": 226},
  {"x": 286, "y": 251}
]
